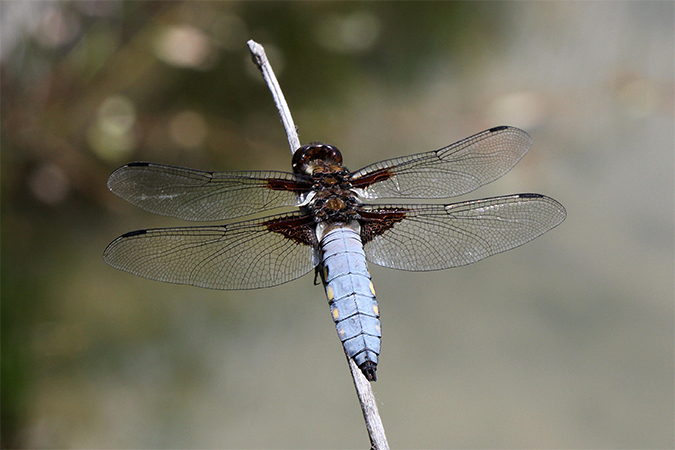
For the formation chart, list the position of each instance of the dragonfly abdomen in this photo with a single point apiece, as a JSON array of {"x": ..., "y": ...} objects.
[{"x": 351, "y": 297}]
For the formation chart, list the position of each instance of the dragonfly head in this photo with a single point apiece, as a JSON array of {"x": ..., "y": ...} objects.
[{"x": 315, "y": 156}]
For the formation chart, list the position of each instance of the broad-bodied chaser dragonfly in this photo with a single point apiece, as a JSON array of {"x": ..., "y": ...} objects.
[{"x": 334, "y": 232}]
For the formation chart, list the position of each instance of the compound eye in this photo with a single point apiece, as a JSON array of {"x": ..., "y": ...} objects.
[
  {"x": 333, "y": 155},
  {"x": 301, "y": 157}
]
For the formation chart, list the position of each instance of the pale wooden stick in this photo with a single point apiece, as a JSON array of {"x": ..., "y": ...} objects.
[
  {"x": 378, "y": 440},
  {"x": 260, "y": 60}
]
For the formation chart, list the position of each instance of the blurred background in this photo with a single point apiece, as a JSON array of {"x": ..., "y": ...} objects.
[{"x": 566, "y": 342}]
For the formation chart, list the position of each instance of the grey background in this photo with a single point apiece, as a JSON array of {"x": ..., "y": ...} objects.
[{"x": 566, "y": 342}]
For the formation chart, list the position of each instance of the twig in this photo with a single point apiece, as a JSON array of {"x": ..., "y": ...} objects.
[
  {"x": 378, "y": 440},
  {"x": 260, "y": 60}
]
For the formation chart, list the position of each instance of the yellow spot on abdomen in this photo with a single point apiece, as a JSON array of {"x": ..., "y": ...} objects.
[
  {"x": 376, "y": 310},
  {"x": 377, "y": 327},
  {"x": 336, "y": 314},
  {"x": 329, "y": 293},
  {"x": 341, "y": 332},
  {"x": 372, "y": 288}
]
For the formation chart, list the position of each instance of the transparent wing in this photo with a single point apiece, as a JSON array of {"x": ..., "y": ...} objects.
[
  {"x": 453, "y": 170},
  {"x": 245, "y": 255},
  {"x": 433, "y": 237},
  {"x": 191, "y": 194}
]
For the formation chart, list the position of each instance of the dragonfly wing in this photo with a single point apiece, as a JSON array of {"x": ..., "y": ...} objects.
[
  {"x": 453, "y": 170},
  {"x": 244, "y": 255},
  {"x": 191, "y": 194},
  {"x": 433, "y": 237}
]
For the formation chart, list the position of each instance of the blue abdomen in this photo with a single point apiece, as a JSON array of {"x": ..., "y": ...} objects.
[{"x": 351, "y": 297}]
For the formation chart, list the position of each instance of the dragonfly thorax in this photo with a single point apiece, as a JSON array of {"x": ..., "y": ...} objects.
[{"x": 334, "y": 205}]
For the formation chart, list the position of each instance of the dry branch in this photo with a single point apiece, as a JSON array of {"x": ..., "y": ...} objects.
[{"x": 378, "y": 440}]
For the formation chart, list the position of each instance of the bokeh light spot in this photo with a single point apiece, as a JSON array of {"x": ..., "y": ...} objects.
[
  {"x": 184, "y": 46},
  {"x": 56, "y": 28},
  {"x": 116, "y": 115},
  {"x": 112, "y": 136}
]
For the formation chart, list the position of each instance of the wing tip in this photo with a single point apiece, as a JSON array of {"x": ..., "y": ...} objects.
[
  {"x": 530, "y": 195},
  {"x": 121, "y": 172},
  {"x": 499, "y": 128},
  {"x": 561, "y": 209},
  {"x": 109, "y": 252},
  {"x": 134, "y": 233},
  {"x": 516, "y": 131},
  {"x": 506, "y": 127}
]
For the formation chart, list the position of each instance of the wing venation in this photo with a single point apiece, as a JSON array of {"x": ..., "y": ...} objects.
[
  {"x": 197, "y": 195},
  {"x": 434, "y": 237},
  {"x": 451, "y": 171},
  {"x": 244, "y": 255}
]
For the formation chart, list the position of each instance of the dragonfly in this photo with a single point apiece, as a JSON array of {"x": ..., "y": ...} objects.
[{"x": 336, "y": 228}]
